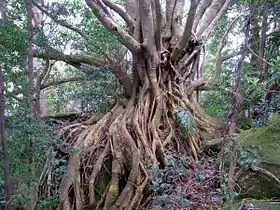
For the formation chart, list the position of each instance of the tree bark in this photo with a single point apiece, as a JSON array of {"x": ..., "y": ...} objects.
[
  {"x": 136, "y": 131},
  {"x": 263, "y": 36},
  {"x": 255, "y": 36},
  {"x": 7, "y": 174}
]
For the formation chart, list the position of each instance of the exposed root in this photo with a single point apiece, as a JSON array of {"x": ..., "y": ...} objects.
[{"x": 108, "y": 169}]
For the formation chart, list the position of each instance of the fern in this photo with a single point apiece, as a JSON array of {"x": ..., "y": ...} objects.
[{"x": 184, "y": 119}]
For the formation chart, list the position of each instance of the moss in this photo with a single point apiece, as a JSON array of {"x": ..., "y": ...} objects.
[
  {"x": 267, "y": 141},
  {"x": 266, "y": 138},
  {"x": 257, "y": 203}
]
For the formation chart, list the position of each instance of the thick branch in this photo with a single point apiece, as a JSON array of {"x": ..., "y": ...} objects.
[
  {"x": 210, "y": 14},
  {"x": 124, "y": 80},
  {"x": 177, "y": 18},
  {"x": 187, "y": 59},
  {"x": 121, "y": 12},
  {"x": 208, "y": 30},
  {"x": 111, "y": 25},
  {"x": 131, "y": 8},
  {"x": 61, "y": 22},
  {"x": 170, "y": 5},
  {"x": 187, "y": 32},
  {"x": 3, "y": 10},
  {"x": 75, "y": 60},
  {"x": 200, "y": 11},
  {"x": 121, "y": 76}
]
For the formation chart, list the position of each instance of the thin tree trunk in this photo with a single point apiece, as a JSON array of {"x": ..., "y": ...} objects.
[
  {"x": 255, "y": 33},
  {"x": 264, "y": 26},
  {"x": 31, "y": 93},
  {"x": 30, "y": 67},
  {"x": 7, "y": 174}
]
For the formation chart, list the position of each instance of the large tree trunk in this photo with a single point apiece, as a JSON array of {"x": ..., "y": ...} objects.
[{"x": 109, "y": 169}]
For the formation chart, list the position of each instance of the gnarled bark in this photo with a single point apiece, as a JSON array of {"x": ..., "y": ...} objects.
[{"x": 109, "y": 169}]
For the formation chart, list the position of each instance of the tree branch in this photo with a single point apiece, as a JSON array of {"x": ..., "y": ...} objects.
[
  {"x": 218, "y": 11},
  {"x": 259, "y": 57},
  {"x": 170, "y": 6},
  {"x": 111, "y": 25},
  {"x": 187, "y": 32},
  {"x": 200, "y": 11},
  {"x": 61, "y": 81},
  {"x": 75, "y": 60},
  {"x": 210, "y": 14},
  {"x": 61, "y": 22},
  {"x": 187, "y": 59},
  {"x": 121, "y": 12},
  {"x": 231, "y": 55},
  {"x": 121, "y": 76},
  {"x": 221, "y": 45}
]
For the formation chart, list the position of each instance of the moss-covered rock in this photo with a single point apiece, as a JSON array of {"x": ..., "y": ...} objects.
[
  {"x": 267, "y": 142},
  {"x": 255, "y": 204}
]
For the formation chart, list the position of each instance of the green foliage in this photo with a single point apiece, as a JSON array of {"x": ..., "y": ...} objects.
[
  {"x": 30, "y": 144},
  {"x": 13, "y": 43},
  {"x": 248, "y": 156},
  {"x": 184, "y": 119},
  {"x": 161, "y": 183},
  {"x": 48, "y": 202},
  {"x": 96, "y": 93}
]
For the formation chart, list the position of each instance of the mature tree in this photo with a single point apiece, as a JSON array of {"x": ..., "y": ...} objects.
[{"x": 110, "y": 168}]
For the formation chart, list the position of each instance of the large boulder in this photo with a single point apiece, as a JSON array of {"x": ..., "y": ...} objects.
[{"x": 266, "y": 142}]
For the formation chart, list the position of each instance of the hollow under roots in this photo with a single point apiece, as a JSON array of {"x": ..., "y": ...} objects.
[{"x": 108, "y": 168}]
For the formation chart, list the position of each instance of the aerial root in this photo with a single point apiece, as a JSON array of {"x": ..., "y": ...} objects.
[{"x": 108, "y": 169}]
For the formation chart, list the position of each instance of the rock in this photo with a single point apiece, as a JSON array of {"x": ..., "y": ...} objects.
[{"x": 266, "y": 141}]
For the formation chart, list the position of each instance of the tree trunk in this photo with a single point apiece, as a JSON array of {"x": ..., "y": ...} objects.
[
  {"x": 7, "y": 174},
  {"x": 255, "y": 34},
  {"x": 109, "y": 171}
]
